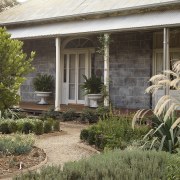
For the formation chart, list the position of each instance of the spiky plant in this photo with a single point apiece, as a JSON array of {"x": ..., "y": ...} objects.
[{"x": 165, "y": 132}]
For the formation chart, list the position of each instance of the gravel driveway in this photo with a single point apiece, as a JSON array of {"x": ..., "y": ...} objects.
[{"x": 63, "y": 147}]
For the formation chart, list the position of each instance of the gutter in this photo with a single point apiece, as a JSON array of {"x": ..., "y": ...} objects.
[{"x": 92, "y": 14}]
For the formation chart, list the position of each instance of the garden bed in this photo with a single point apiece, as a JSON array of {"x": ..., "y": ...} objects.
[{"x": 10, "y": 165}]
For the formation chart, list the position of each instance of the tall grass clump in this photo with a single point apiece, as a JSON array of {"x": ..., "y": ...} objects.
[{"x": 165, "y": 132}]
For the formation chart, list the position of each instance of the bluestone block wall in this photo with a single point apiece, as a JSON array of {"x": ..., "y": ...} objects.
[
  {"x": 130, "y": 67},
  {"x": 44, "y": 62}
]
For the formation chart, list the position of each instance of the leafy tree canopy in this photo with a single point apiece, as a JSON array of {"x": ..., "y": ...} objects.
[{"x": 14, "y": 65}]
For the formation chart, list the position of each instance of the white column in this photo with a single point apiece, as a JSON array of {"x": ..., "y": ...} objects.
[
  {"x": 58, "y": 75},
  {"x": 166, "y": 60},
  {"x": 106, "y": 67}
]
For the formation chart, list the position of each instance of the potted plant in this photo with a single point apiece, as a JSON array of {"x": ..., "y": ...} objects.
[
  {"x": 92, "y": 87},
  {"x": 43, "y": 85}
]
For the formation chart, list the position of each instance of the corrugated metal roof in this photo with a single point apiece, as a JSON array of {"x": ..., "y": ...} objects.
[
  {"x": 119, "y": 23},
  {"x": 34, "y": 10}
]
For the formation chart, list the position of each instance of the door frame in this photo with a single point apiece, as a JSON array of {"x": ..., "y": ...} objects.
[
  {"x": 155, "y": 51},
  {"x": 65, "y": 85}
]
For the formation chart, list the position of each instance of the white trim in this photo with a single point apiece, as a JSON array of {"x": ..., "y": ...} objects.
[
  {"x": 76, "y": 52},
  {"x": 58, "y": 74},
  {"x": 106, "y": 68}
]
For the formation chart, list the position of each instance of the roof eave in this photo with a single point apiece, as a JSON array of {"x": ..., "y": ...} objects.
[{"x": 98, "y": 13}]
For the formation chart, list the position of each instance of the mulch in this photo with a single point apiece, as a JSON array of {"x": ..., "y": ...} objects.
[{"x": 16, "y": 163}]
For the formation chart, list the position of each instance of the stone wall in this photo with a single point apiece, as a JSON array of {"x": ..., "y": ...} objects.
[
  {"x": 130, "y": 69},
  {"x": 44, "y": 62}
]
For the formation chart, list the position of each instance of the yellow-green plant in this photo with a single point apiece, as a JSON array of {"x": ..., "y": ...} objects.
[
  {"x": 14, "y": 65},
  {"x": 165, "y": 132}
]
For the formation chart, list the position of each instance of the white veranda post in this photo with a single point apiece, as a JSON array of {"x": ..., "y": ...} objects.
[
  {"x": 58, "y": 75},
  {"x": 106, "y": 67},
  {"x": 166, "y": 60}
]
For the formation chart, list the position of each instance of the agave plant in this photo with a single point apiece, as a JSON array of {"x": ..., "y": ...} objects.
[
  {"x": 92, "y": 85},
  {"x": 43, "y": 82},
  {"x": 165, "y": 132}
]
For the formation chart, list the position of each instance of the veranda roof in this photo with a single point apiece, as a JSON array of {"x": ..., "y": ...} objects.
[
  {"x": 169, "y": 18},
  {"x": 43, "y": 10}
]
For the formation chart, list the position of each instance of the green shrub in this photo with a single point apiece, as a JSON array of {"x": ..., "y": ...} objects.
[
  {"x": 113, "y": 132},
  {"x": 27, "y": 127},
  {"x": 4, "y": 127},
  {"x": 116, "y": 165},
  {"x": 89, "y": 115},
  {"x": 48, "y": 126},
  {"x": 12, "y": 126},
  {"x": 103, "y": 111},
  {"x": 56, "y": 125},
  {"x": 69, "y": 115},
  {"x": 50, "y": 114},
  {"x": 84, "y": 134},
  {"x": 16, "y": 144},
  {"x": 38, "y": 127}
]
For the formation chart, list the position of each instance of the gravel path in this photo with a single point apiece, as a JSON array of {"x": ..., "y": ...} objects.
[{"x": 62, "y": 147}]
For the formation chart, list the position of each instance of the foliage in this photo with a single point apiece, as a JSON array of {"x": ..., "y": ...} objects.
[
  {"x": 92, "y": 85},
  {"x": 50, "y": 114},
  {"x": 27, "y": 126},
  {"x": 104, "y": 41},
  {"x": 113, "y": 132},
  {"x": 14, "y": 65},
  {"x": 56, "y": 125},
  {"x": 116, "y": 165},
  {"x": 103, "y": 111},
  {"x": 89, "y": 115},
  {"x": 16, "y": 144},
  {"x": 5, "y": 4},
  {"x": 48, "y": 124},
  {"x": 69, "y": 115},
  {"x": 44, "y": 82},
  {"x": 165, "y": 132}
]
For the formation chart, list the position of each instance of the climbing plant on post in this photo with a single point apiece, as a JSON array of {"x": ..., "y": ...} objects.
[{"x": 14, "y": 65}]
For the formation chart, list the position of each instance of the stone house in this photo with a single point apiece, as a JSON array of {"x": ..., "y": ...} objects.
[{"x": 144, "y": 37}]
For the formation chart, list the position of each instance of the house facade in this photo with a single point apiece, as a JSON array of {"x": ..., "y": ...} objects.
[{"x": 143, "y": 36}]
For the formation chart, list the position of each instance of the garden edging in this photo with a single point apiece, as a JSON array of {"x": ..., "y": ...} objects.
[{"x": 33, "y": 168}]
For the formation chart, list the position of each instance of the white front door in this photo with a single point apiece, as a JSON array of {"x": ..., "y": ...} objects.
[{"x": 75, "y": 66}]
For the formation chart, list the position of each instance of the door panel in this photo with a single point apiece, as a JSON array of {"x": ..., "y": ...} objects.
[
  {"x": 74, "y": 69},
  {"x": 72, "y": 77},
  {"x": 81, "y": 72}
]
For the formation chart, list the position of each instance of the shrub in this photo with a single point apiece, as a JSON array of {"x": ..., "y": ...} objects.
[
  {"x": 50, "y": 114},
  {"x": 103, "y": 111},
  {"x": 113, "y": 132},
  {"x": 11, "y": 78},
  {"x": 116, "y": 165},
  {"x": 84, "y": 134},
  {"x": 56, "y": 125},
  {"x": 12, "y": 126},
  {"x": 27, "y": 127},
  {"x": 16, "y": 144},
  {"x": 4, "y": 127},
  {"x": 89, "y": 115},
  {"x": 38, "y": 127},
  {"x": 48, "y": 126},
  {"x": 69, "y": 115}
]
